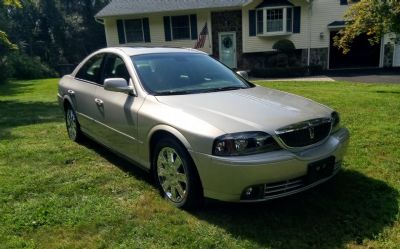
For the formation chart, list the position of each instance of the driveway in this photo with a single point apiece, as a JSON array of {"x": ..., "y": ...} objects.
[
  {"x": 366, "y": 75},
  {"x": 351, "y": 75}
]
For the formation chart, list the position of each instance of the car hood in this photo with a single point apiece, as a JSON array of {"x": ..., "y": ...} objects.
[{"x": 251, "y": 109}]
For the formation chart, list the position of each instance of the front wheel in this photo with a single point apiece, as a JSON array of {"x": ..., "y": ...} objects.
[
  {"x": 176, "y": 174},
  {"x": 71, "y": 122}
]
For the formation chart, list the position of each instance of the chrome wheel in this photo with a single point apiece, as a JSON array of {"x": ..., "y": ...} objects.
[
  {"x": 71, "y": 123},
  {"x": 172, "y": 174}
]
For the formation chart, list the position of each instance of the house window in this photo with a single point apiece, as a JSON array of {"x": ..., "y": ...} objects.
[
  {"x": 134, "y": 30},
  {"x": 274, "y": 21},
  {"x": 180, "y": 26}
]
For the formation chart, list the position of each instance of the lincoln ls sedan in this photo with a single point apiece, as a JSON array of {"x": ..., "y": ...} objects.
[{"x": 200, "y": 128}]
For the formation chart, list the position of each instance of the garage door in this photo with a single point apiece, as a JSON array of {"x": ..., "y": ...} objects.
[
  {"x": 361, "y": 54},
  {"x": 396, "y": 57}
]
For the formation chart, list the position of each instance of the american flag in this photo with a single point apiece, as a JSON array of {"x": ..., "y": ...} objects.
[{"x": 202, "y": 37}]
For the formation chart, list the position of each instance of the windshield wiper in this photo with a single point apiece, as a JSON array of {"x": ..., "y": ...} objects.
[
  {"x": 225, "y": 88},
  {"x": 174, "y": 92}
]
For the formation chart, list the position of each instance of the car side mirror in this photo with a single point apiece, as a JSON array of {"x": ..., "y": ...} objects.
[
  {"x": 243, "y": 74},
  {"x": 118, "y": 85}
]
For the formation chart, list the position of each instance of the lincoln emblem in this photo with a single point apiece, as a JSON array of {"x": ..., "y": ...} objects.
[{"x": 311, "y": 131}]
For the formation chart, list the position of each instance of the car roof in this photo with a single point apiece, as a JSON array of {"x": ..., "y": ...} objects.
[{"x": 131, "y": 51}]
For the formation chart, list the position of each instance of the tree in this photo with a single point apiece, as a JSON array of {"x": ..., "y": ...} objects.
[
  {"x": 372, "y": 17},
  {"x": 4, "y": 5}
]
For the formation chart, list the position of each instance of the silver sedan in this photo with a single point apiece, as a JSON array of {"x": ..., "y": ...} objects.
[{"x": 200, "y": 128}]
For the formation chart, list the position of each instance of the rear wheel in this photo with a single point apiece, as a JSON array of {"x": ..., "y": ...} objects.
[
  {"x": 71, "y": 122},
  {"x": 176, "y": 174}
]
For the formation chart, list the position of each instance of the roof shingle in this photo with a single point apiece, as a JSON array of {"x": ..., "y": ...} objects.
[{"x": 127, "y": 7}]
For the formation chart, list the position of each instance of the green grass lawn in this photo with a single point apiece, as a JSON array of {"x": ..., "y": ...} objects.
[{"x": 58, "y": 194}]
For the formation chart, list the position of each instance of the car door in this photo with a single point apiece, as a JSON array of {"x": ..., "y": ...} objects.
[
  {"x": 118, "y": 111},
  {"x": 83, "y": 89}
]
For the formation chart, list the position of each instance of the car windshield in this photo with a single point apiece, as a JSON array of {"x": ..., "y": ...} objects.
[{"x": 185, "y": 73}]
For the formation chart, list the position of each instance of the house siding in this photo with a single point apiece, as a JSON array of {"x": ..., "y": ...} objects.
[
  {"x": 323, "y": 13},
  {"x": 157, "y": 34}
]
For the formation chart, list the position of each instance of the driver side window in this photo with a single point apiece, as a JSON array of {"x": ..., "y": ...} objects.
[{"x": 115, "y": 68}]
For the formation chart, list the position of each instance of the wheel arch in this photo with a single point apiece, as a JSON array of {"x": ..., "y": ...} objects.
[
  {"x": 157, "y": 132},
  {"x": 161, "y": 131},
  {"x": 67, "y": 101}
]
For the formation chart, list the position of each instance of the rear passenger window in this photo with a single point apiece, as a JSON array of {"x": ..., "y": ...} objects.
[{"x": 90, "y": 71}]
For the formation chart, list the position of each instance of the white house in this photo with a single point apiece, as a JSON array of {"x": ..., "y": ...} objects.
[{"x": 241, "y": 33}]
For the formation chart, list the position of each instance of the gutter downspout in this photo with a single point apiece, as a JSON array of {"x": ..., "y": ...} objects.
[{"x": 310, "y": 7}]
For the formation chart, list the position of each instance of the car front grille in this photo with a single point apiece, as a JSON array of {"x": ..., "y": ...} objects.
[
  {"x": 305, "y": 133},
  {"x": 283, "y": 187}
]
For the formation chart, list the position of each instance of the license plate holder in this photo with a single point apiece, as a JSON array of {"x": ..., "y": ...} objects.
[{"x": 320, "y": 169}]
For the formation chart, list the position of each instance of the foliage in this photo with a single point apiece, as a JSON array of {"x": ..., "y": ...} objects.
[
  {"x": 58, "y": 194},
  {"x": 58, "y": 32},
  {"x": 284, "y": 46},
  {"x": 372, "y": 17},
  {"x": 26, "y": 67}
]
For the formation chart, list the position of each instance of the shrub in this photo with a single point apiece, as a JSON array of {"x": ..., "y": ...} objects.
[
  {"x": 5, "y": 71},
  {"x": 284, "y": 46},
  {"x": 26, "y": 67}
]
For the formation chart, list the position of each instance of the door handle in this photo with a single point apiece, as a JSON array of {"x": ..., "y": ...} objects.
[
  {"x": 99, "y": 102},
  {"x": 70, "y": 92}
]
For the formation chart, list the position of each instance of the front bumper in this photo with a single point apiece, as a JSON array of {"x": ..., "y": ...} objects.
[{"x": 225, "y": 178}]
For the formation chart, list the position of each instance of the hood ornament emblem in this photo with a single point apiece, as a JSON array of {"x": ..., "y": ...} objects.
[{"x": 311, "y": 130}]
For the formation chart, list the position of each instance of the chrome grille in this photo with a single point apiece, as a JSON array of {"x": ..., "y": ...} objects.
[
  {"x": 282, "y": 187},
  {"x": 305, "y": 133}
]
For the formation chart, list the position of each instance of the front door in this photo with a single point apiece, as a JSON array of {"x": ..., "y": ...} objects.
[
  {"x": 227, "y": 48},
  {"x": 118, "y": 111}
]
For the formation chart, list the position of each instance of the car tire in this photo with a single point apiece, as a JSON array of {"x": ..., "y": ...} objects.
[
  {"x": 72, "y": 125},
  {"x": 176, "y": 175}
]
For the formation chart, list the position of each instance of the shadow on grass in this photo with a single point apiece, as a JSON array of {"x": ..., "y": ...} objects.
[
  {"x": 14, "y": 114},
  {"x": 348, "y": 209},
  {"x": 13, "y": 88},
  {"x": 115, "y": 159}
]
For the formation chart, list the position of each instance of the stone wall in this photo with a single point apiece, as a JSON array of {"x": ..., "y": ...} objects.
[
  {"x": 319, "y": 56},
  {"x": 388, "y": 55},
  {"x": 227, "y": 21}
]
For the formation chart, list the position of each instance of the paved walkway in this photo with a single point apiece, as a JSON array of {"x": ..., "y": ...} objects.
[{"x": 354, "y": 75}]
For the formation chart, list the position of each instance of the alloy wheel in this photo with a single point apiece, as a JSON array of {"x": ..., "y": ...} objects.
[
  {"x": 71, "y": 124},
  {"x": 172, "y": 174}
]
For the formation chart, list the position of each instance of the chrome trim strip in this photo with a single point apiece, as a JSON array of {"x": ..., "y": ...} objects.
[
  {"x": 288, "y": 187},
  {"x": 112, "y": 129},
  {"x": 285, "y": 184}
]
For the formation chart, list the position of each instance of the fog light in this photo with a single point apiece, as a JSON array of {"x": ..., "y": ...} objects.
[
  {"x": 249, "y": 191},
  {"x": 253, "y": 192}
]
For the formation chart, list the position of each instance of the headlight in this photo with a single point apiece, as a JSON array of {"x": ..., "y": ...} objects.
[
  {"x": 335, "y": 121},
  {"x": 244, "y": 143}
]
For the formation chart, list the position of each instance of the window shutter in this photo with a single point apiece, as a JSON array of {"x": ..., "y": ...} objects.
[
  {"x": 167, "y": 28},
  {"x": 252, "y": 23},
  {"x": 193, "y": 26},
  {"x": 146, "y": 30},
  {"x": 296, "y": 19},
  {"x": 121, "y": 32},
  {"x": 343, "y": 2}
]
